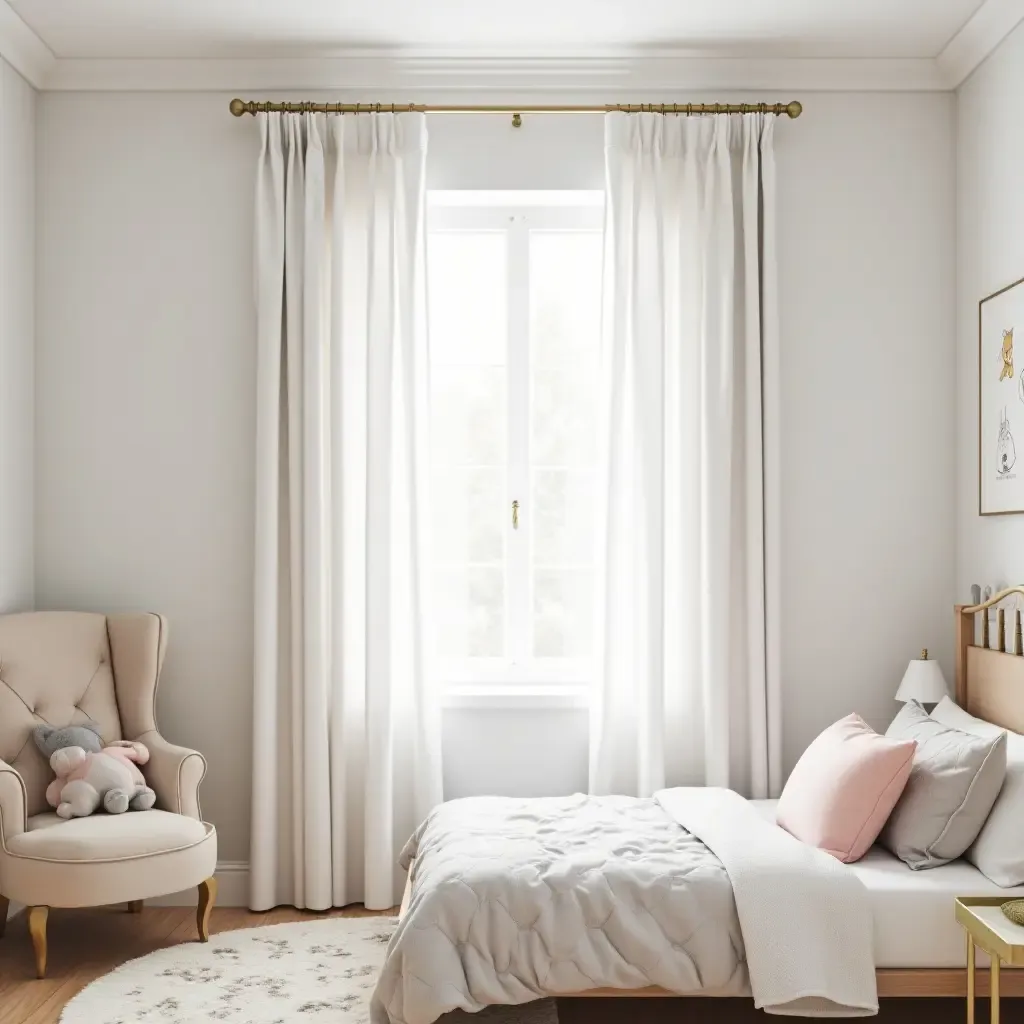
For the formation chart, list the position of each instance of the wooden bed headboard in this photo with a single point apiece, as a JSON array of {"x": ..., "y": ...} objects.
[{"x": 990, "y": 672}]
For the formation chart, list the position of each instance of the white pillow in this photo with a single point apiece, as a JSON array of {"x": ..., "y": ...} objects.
[{"x": 998, "y": 852}]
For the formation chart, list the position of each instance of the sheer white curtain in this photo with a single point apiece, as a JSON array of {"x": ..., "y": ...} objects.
[
  {"x": 346, "y": 734},
  {"x": 687, "y": 692}
]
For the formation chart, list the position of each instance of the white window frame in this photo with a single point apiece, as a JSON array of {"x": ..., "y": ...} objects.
[{"x": 518, "y": 680}]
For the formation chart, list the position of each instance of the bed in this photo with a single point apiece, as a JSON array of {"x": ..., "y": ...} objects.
[
  {"x": 912, "y": 914},
  {"x": 899, "y": 923}
]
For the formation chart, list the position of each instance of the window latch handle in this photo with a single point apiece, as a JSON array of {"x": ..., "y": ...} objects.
[{"x": 515, "y": 515}]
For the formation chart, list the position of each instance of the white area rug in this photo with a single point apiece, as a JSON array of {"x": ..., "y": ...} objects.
[{"x": 313, "y": 971}]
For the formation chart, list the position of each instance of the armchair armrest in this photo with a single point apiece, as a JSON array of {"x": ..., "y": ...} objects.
[
  {"x": 13, "y": 803},
  {"x": 174, "y": 773}
]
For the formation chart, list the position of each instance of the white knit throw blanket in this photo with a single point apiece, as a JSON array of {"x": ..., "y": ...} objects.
[{"x": 805, "y": 917}]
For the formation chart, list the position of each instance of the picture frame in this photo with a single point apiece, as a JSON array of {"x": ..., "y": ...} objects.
[{"x": 1001, "y": 402}]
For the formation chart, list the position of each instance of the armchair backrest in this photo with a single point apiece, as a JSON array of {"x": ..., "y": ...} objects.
[{"x": 67, "y": 668}]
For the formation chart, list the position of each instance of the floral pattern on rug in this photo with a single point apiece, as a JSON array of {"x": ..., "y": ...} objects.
[{"x": 318, "y": 970}]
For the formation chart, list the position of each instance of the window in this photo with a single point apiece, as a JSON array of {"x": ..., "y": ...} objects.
[{"x": 514, "y": 296}]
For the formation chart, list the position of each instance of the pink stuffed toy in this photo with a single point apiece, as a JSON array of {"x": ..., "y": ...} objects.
[{"x": 89, "y": 774}]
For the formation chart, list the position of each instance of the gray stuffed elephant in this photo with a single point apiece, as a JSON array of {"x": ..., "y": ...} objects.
[{"x": 90, "y": 774}]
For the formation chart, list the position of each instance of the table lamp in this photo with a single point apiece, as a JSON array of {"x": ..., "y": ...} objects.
[{"x": 923, "y": 681}]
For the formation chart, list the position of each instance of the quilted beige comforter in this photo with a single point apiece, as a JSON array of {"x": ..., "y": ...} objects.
[{"x": 512, "y": 900}]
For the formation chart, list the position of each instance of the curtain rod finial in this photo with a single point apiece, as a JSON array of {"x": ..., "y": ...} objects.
[
  {"x": 237, "y": 107},
  {"x": 794, "y": 109}
]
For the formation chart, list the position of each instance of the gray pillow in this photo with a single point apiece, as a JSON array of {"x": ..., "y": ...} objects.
[{"x": 954, "y": 781}]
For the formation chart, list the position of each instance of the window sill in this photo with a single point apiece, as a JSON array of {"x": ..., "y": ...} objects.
[{"x": 516, "y": 698}]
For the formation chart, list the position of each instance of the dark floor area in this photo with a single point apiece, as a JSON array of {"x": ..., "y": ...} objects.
[{"x": 741, "y": 1011}]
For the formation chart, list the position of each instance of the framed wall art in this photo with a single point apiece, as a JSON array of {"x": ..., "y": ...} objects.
[{"x": 1001, "y": 401}]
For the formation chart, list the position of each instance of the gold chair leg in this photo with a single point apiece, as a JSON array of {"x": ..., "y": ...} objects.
[
  {"x": 37, "y": 929},
  {"x": 4, "y": 905},
  {"x": 136, "y": 906},
  {"x": 207, "y": 897}
]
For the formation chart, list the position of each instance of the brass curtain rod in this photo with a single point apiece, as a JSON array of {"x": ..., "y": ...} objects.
[{"x": 239, "y": 107}]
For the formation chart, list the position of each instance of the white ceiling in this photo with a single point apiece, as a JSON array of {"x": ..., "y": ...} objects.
[
  {"x": 634, "y": 48},
  {"x": 271, "y": 28}
]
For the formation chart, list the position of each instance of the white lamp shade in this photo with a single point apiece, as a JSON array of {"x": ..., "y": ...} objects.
[{"x": 923, "y": 682}]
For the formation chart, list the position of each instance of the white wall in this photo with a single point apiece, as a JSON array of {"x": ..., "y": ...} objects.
[
  {"x": 990, "y": 254},
  {"x": 867, "y": 277},
  {"x": 145, "y": 382},
  {"x": 17, "y": 303},
  {"x": 145, "y": 408}
]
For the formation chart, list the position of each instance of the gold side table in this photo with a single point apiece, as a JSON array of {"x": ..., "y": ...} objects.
[{"x": 987, "y": 928}]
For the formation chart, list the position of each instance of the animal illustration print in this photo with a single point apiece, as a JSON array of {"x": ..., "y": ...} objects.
[
  {"x": 1006, "y": 452},
  {"x": 1007, "y": 370}
]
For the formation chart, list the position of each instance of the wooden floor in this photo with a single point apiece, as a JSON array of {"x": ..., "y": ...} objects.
[{"x": 85, "y": 944}]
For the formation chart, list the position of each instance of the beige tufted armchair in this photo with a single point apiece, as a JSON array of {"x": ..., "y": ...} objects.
[{"x": 66, "y": 668}]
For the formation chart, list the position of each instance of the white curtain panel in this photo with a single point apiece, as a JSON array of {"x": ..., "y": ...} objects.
[
  {"x": 684, "y": 691},
  {"x": 346, "y": 738}
]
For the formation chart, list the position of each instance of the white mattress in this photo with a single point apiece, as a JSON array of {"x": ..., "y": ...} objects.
[{"x": 913, "y": 910}]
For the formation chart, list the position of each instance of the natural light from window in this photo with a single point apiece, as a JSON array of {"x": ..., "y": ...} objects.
[{"x": 514, "y": 298}]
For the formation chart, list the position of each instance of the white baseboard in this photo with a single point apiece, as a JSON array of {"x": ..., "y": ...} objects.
[{"x": 232, "y": 888}]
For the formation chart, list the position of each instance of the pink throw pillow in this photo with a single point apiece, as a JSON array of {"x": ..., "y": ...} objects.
[{"x": 844, "y": 787}]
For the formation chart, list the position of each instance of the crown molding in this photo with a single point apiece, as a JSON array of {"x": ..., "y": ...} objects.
[
  {"x": 665, "y": 72},
  {"x": 991, "y": 23},
  {"x": 23, "y": 49},
  {"x": 397, "y": 76}
]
